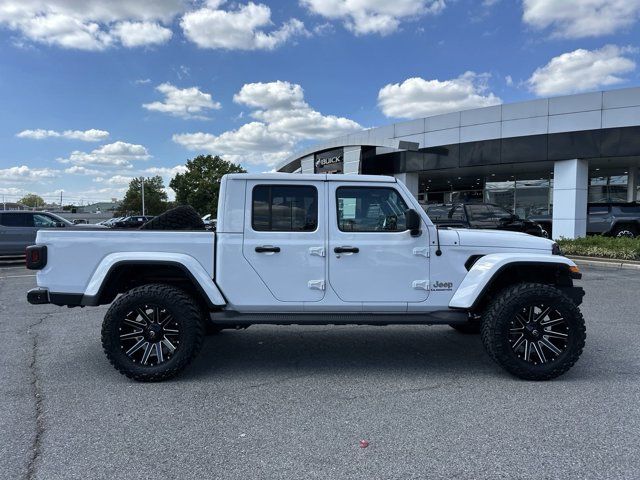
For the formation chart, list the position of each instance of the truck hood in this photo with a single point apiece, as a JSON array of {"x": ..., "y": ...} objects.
[{"x": 502, "y": 239}]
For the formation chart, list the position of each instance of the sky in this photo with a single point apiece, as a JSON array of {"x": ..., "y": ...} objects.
[{"x": 96, "y": 92}]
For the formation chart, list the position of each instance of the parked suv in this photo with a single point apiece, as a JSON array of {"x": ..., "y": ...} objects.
[
  {"x": 612, "y": 219},
  {"x": 480, "y": 215},
  {"x": 18, "y": 228}
]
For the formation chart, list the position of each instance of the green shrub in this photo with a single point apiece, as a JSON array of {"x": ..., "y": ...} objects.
[{"x": 606, "y": 247}]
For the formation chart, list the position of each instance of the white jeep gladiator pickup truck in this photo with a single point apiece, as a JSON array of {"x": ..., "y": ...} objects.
[{"x": 309, "y": 250}]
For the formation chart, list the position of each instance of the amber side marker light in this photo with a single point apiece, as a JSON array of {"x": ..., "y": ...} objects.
[{"x": 575, "y": 272}]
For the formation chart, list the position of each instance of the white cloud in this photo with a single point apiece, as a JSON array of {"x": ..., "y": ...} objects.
[
  {"x": 118, "y": 180},
  {"x": 78, "y": 170},
  {"x": 136, "y": 34},
  {"x": 417, "y": 97},
  {"x": 252, "y": 143},
  {"x": 91, "y": 135},
  {"x": 169, "y": 172},
  {"x": 240, "y": 29},
  {"x": 373, "y": 16},
  {"x": 281, "y": 106},
  {"x": 25, "y": 174},
  {"x": 508, "y": 80},
  {"x": 12, "y": 192},
  {"x": 118, "y": 154},
  {"x": 582, "y": 70},
  {"x": 90, "y": 24},
  {"x": 185, "y": 103},
  {"x": 283, "y": 119},
  {"x": 581, "y": 18}
]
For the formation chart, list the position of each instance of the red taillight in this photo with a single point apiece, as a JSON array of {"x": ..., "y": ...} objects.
[{"x": 36, "y": 257}]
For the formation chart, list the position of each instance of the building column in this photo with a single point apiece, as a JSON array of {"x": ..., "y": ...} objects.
[
  {"x": 570, "y": 192},
  {"x": 351, "y": 159},
  {"x": 632, "y": 183},
  {"x": 411, "y": 180},
  {"x": 306, "y": 164}
]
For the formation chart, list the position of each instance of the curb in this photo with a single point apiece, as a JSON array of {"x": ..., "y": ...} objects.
[{"x": 605, "y": 262}]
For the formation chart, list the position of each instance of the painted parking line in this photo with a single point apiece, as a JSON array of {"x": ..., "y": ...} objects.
[{"x": 18, "y": 276}]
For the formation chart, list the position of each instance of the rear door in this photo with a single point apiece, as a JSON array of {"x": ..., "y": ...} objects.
[
  {"x": 283, "y": 240},
  {"x": 480, "y": 216},
  {"x": 18, "y": 232},
  {"x": 598, "y": 218},
  {"x": 372, "y": 257}
]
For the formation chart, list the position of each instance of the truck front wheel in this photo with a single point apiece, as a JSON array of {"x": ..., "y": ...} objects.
[
  {"x": 534, "y": 331},
  {"x": 152, "y": 332}
]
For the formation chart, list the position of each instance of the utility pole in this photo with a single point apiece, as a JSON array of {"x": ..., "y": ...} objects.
[
  {"x": 60, "y": 200},
  {"x": 142, "y": 181}
]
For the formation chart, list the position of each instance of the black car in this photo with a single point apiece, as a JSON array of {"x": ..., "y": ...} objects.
[
  {"x": 480, "y": 215},
  {"x": 612, "y": 219},
  {"x": 134, "y": 221}
]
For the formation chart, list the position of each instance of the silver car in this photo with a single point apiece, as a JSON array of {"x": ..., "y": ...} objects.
[{"x": 18, "y": 228}]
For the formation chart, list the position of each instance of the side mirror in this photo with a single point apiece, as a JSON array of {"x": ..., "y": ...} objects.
[{"x": 413, "y": 221}]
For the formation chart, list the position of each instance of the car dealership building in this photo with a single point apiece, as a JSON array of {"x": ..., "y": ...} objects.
[{"x": 540, "y": 157}]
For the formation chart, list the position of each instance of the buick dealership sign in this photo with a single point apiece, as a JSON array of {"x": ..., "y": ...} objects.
[{"x": 329, "y": 162}]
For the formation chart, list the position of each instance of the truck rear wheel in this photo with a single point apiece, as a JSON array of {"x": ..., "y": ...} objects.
[
  {"x": 534, "y": 331},
  {"x": 152, "y": 332}
]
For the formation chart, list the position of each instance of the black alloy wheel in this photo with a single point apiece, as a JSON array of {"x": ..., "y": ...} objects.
[
  {"x": 534, "y": 331},
  {"x": 149, "y": 335},
  {"x": 538, "y": 334},
  {"x": 152, "y": 332}
]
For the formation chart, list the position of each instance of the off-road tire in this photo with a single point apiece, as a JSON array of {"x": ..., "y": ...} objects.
[
  {"x": 183, "y": 217},
  {"x": 469, "y": 328},
  {"x": 183, "y": 308},
  {"x": 625, "y": 231},
  {"x": 497, "y": 322}
]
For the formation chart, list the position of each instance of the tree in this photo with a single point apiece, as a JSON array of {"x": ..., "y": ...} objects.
[
  {"x": 199, "y": 186},
  {"x": 32, "y": 200},
  {"x": 155, "y": 197}
]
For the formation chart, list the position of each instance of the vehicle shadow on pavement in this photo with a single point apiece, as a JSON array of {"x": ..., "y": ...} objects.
[{"x": 345, "y": 349}]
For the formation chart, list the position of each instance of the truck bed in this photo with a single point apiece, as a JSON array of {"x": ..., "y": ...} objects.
[{"x": 80, "y": 252}]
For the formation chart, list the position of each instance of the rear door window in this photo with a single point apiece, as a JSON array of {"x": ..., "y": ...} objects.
[
  {"x": 479, "y": 213},
  {"x": 284, "y": 208},
  {"x": 16, "y": 220}
]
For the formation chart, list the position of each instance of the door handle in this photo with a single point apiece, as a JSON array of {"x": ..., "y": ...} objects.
[
  {"x": 346, "y": 250},
  {"x": 267, "y": 249}
]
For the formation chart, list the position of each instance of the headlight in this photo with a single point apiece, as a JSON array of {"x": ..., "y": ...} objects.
[{"x": 555, "y": 249}]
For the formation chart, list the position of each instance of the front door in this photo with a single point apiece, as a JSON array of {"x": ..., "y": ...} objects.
[
  {"x": 283, "y": 241},
  {"x": 598, "y": 218},
  {"x": 372, "y": 257}
]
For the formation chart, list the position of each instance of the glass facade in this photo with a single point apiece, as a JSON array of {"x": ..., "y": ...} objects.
[
  {"x": 608, "y": 186},
  {"x": 527, "y": 195}
]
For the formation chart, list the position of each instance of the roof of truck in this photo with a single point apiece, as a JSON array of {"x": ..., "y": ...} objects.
[{"x": 322, "y": 177}]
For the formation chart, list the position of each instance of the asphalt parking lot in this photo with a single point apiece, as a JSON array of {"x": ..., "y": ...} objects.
[{"x": 294, "y": 402}]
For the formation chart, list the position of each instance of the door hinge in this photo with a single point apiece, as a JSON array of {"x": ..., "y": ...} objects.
[
  {"x": 316, "y": 284},
  {"x": 319, "y": 251},
  {"x": 421, "y": 285},
  {"x": 422, "y": 251}
]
